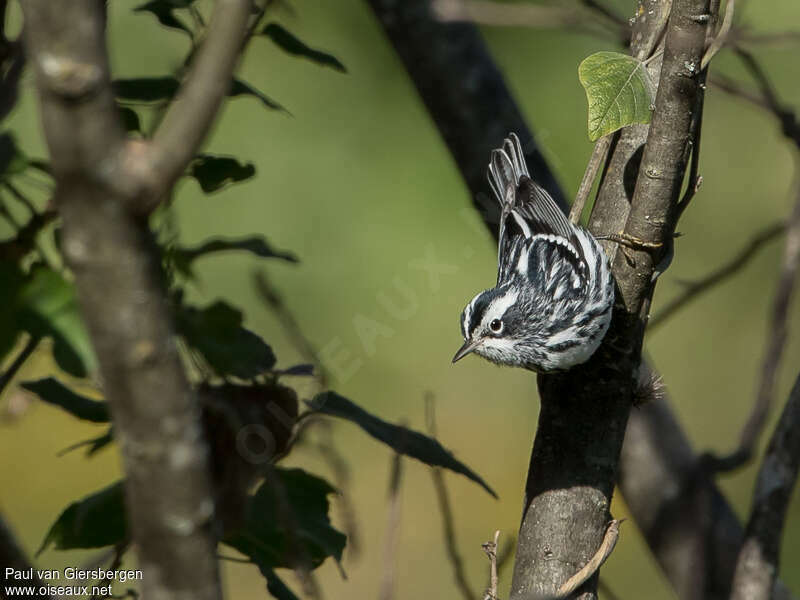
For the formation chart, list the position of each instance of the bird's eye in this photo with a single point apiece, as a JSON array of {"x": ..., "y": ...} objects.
[{"x": 496, "y": 325}]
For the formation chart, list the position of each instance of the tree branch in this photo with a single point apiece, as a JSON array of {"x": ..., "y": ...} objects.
[
  {"x": 191, "y": 114},
  {"x": 99, "y": 177},
  {"x": 661, "y": 462},
  {"x": 474, "y": 111},
  {"x": 757, "y": 566},
  {"x": 693, "y": 289}
]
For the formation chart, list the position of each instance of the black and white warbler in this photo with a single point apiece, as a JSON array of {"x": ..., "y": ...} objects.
[{"x": 552, "y": 302}]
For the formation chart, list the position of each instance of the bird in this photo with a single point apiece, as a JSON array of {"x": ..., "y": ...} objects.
[{"x": 552, "y": 303}]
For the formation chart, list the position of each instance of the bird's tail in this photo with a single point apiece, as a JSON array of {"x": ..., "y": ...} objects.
[{"x": 506, "y": 167}]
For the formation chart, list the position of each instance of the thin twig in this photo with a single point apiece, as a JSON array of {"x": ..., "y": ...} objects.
[
  {"x": 694, "y": 289},
  {"x": 599, "y": 155},
  {"x": 757, "y": 565},
  {"x": 443, "y": 499},
  {"x": 291, "y": 327},
  {"x": 722, "y": 35},
  {"x": 590, "y": 568},
  {"x": 490, "y": 548},
  {"x": 511, "y": 14},
  {"x": 14, "y": 367},
  {"x": 392, "y": 530},
  {"x": 776, "y": 342}
]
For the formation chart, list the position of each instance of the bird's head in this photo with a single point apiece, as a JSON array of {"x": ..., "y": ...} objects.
[{"x": 488, "y": 325}]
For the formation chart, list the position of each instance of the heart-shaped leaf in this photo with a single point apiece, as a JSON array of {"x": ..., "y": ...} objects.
[{"x": 619, "y": 92}]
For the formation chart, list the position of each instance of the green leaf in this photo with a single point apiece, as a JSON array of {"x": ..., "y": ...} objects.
[
  {"x": 216, "y": 332},
  {"x": 146, "y": 89},
  {"x": 12, "y": 160},
  {"x": 54, "y": 392},
  {"x": 276, "y": 587},
  {"x": 268, "y": 534},
  {"x": 215, "y": 172},
  {"x": 93, "y": 522},
  {"x": 241, "y": 88},
  {"x": 401, "y": 439},
  {"x": 619, "y": 92},
  {"x": 163, "y": 11},
  {"x": 289, "y": 43},
  {"x": 183, "y": 258},
  {"x": 11, "y": 281},
  {"x": 130, "y": 119},
  {"x": 158, "y": 89},
  {"x": 48, "y": 308}
]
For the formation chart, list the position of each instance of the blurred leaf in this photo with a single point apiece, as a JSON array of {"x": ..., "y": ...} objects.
[
  {"x": 11, "y": 281},
  {"x": 146, "y": 89},
  {"x": 94, "y": 444},
  {"x": 297, "y": 371},
  {"x": 266, "y": 537},
  {"x": 183, "y": 257},
  {"x": 401, "y": 439},
  {"x": 48, "y": 308},
  {"x": 130, "y": 119},
  {"x": 240, "y": 88},
  {"x": 289, "y": 43},
  {"x": 619, "y": 92},
  {"x": 12, "y": 160},
  {"x": 163, "y": 10},
  {"x": 54, "y": 392},
  {"x": 215, "y": 172},
  {"x": 216, "y": 332},
  {"x": 157, "y": 89},
  {"x": 276, "y": 587},
  {"x": 93, "y": 522}
]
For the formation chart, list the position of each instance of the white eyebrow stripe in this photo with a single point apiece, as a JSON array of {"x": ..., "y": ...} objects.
[{"x": 499, "y": 306}]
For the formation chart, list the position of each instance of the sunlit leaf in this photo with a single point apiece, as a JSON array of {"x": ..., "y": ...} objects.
[
  {"x": 48, "y": 308},
  {"x": 291, "y": 44},
  {"x": 216, "y": 332},
  {"x": 95, "y": 521},
  {"x": 268, "y": 534},
  {"x": 54, "y": 392},
  {"x": 619, "y": 92},
  {"x": 401, "y": 439},
  {"x": 215, "y": 172}
]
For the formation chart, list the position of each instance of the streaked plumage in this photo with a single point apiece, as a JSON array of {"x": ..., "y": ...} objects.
[{"x": 551, "y": 305}]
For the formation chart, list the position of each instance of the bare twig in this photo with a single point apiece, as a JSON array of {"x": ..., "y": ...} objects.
[
  {"x": 598, "y": 158},
  {"x": 392, "y": 530},
  {"x": 9, "y": 374},
  {"x": 591, "y": 567},
  {"x": 490, "y": 548},
  {"x": 721, "y": 36},
  {"x": 443, "y": 499},
  {"x": 189, "y": 117},
  {"x": 293, "y": 330},
  {"x": 694, "y": 289},
  {"x": 757, "y": 567},
  {"x": 776, "y": 341},
  {"x": 512, "y": 14}
]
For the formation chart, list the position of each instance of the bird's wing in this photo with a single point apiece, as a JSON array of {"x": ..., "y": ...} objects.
[{"x": 527, "y": 209}]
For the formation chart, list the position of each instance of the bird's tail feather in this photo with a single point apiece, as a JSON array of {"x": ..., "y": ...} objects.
[{"x": 506, "y": 166}]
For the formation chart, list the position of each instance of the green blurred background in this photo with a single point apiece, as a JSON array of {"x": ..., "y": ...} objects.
[{"x": 358, "y": 183}]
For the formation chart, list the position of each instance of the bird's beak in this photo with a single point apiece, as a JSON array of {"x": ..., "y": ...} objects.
[{"x": 468, "y": 347}]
